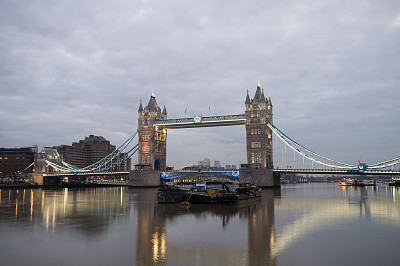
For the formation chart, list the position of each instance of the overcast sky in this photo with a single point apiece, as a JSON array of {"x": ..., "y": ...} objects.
[{"x": 73, "y": 68}]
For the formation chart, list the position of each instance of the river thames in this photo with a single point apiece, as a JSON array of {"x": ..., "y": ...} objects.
[{"x": 304, "y": 224}]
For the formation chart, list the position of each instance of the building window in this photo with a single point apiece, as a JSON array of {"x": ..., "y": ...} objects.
[
  {"x": 256, "y": 144},
  {"x": 146, "y": 148},
  {"x": 159, "y": 147}
]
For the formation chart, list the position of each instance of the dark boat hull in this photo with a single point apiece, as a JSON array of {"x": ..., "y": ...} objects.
[
  {"x": 204, "y": 197},
  {"x": 170, "y": 195},
  {"x": 201, "y": 197},
  {"x": 227, "y": 197}
]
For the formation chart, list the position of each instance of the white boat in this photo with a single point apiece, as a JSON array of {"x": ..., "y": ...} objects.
[{"x": 346, "y": 182}]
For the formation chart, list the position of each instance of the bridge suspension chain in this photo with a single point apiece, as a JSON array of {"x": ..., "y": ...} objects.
[
  {"x": 295, "y": 146},
  {"x": 109, "y": 167},
  {"x": 26, "y": 168},
  {"x": 385, "y": 164},
  {"x": 119, "y": 161},
  {"x": 109, "y": 162},
  {"x": 69, "y": 166},
  {"x": 136, "y": 148},
  {"x": 113, "y": 154},
  {"x": 58, "y": 167}
]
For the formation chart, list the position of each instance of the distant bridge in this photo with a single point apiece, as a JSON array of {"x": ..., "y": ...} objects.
[{"x": 338, "y": 171}]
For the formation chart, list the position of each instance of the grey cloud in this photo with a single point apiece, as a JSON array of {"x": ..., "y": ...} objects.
[{"x": 72, "y": 68}]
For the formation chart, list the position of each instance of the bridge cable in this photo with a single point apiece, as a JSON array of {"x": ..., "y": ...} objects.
[{"x": 288, "y": 141}]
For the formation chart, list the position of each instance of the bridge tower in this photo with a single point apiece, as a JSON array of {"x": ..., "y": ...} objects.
[
  {"x": 258, "y": 140},
  {"x": 258, "y": 135},
  {"x": 152, "y": 140}
]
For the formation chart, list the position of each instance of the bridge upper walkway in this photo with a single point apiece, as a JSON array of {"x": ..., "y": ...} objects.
[{"x": 200, "y": 121}]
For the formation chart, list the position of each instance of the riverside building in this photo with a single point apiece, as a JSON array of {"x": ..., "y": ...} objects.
[
  {"x": 89, "y": 151},
  {"x": 14, "y": 160}
]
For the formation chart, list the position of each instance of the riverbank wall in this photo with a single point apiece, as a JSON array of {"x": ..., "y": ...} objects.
[
  {"x": 261, "y": 177},
  {"x": 144, "y": 178}
]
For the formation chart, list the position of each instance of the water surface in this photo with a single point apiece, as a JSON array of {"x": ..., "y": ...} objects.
[{"x": 309, "y": 224}]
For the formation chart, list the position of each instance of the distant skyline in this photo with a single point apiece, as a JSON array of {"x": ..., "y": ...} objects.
[{"x": 70, "y": 69}]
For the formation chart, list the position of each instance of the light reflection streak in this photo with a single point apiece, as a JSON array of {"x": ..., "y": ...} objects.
[
  {"x": 16, "y": 208},
  {"x": 328, "y": 214},
  {"x": 272, "y": 241},
  {"x": 394, "y": 194},
  {"x": 31, "y": 210},
  {"x": 65, "y": 199},
  {"x": 155, "y": 247},
  {"x": 163, "y": 245},
  {"x": 57, "y": 206},
  {"x": 159, "y": 240},
  {"x": 121, "y": 196},
  {"x": 23, "y": 199},
  {"x": 53, "y": 225},
  {"x": 47, "y": 218},
  {"x": 42, "y": 205},
  {"x": 310, "y": 223}
]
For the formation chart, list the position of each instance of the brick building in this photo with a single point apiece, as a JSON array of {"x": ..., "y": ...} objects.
[
  {"x": 14, "y": 160},
  {"x": 88, "y": 151}
]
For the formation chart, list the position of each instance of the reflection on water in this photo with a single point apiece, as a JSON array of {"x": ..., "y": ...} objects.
[
  {"x": 205, "y": 234},
  {"x": 298, "y": 224},
  {"x": 340, "y": 225},
  {"x": 88, "y": 209}
]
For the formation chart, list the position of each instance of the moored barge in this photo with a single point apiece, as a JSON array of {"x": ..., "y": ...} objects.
[
  {"x": 199, "y": 194},
  {"x": 171, "y": 194}
]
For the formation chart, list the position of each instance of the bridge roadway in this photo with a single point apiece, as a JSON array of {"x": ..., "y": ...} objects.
[
  {"x": 87, "y": 174},
  {"x": 177, "y": 173},
  {"x": 174, "y": 173}
]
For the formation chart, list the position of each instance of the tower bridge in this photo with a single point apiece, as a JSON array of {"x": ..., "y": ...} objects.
[{"x": 153, "y": 125}]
